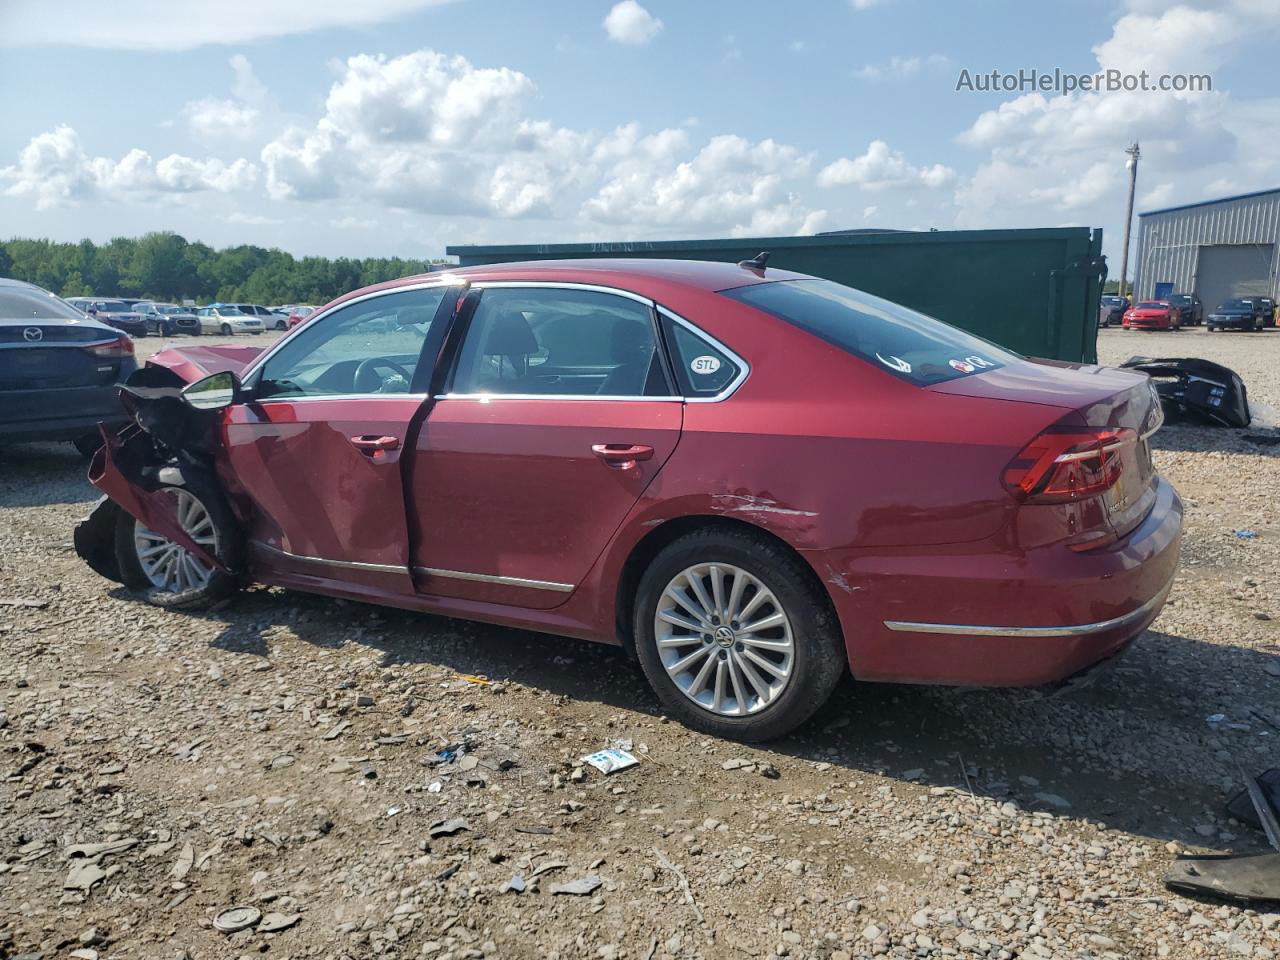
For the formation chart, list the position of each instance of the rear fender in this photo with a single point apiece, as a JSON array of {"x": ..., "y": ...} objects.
[{"x": 125, "y": 469}]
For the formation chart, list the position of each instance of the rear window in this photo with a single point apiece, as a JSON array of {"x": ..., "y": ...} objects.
[
  {"x": 907, "y": 344},
  {"x": 1152, "y": 305},
  {"x": 21, "y": 303}
]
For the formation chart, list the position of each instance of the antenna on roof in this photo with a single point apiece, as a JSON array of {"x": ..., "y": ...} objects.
[{"x": 757, "y": 262}]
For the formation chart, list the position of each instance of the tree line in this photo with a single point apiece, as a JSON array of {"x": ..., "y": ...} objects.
[{"x": 165, "y": 266}]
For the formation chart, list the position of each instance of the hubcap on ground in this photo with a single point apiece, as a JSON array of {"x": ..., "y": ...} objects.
[
  {"x": 724, "y": 639},
  {"x": 171, "y": 567}
]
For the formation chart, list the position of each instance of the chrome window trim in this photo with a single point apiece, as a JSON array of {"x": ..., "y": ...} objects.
[
  {"x": 490, "y": 397},
  {"x": 295, "y": 397},
  {"x": 254, "y": 368},
  {"x": 1031, "y": 633},
  {"x": 494, "y": 578},
  {"x": 743, "y": 367},
  {"x": 565, "y": 285}
]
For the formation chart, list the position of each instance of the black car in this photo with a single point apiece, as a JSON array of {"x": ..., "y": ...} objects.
[
  {"x": 166, "y": 319},
  {"x": 1190, "y": 308},
  {"x": 1111, "y": 311},
  {"x": 114, "y": 313},
  {"x": 59, "y": 369},
  {"x": 1242, "y": 312}
]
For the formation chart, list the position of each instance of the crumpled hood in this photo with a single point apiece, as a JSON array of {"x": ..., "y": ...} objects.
[{"x": 196, "y": 363}]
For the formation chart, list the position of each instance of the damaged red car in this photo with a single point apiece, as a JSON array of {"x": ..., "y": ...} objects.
[{"x": 755, "y": 480}]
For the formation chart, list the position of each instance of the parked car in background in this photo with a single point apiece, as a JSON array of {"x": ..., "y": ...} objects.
[
  {"x": 1243, "y": 313},
  {"x": 670, "y": 456},
  {"x": 113, "y": 312},
  {"x": 227, "y": 319},
  {"x": 299, "y": 314},
  {"x": 1111, "y": 311},
  {"x": 168, "y": 319},
  {"x": 1152, "y": 315},
  {"x": 59, "y": 369},
  {"x": 256, "y": 310},
  {"x": 1190, "y": 309}
]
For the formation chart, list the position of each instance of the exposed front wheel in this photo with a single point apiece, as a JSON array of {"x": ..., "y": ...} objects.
[
  {"x": 226, "y": 329},
  {"x": 165, "y": 573},
  {"x": 735, "y": 637}
]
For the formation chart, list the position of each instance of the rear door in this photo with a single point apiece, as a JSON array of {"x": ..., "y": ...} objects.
[
  {"x": 319, "y": 450},
  {"x": 558, "y": 415}
]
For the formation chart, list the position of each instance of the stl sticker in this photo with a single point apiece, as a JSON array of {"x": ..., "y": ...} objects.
[
  {"x": 980, "y": 363},
  {"x": 704, "y": 365},
  {"x": 895, "y": 363},
  {"x": 962, "y": 366}
]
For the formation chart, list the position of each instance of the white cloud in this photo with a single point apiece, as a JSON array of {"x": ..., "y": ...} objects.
[
  {"x": 882, "y": 168},
  {"x": 166, "y": 25},
  {"x": 632, "y": 24},
  {"x": 437, "y": 135},
  {"x": 54, "y": 170},
  {"x": 236, "y": 118},
  {"x": 866, "y": 4}
]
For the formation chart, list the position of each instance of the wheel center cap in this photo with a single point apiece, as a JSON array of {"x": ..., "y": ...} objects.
[{"x": 724, "y": 636}]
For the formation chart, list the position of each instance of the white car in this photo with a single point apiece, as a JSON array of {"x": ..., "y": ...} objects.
[{"x": 226, "y": 320}]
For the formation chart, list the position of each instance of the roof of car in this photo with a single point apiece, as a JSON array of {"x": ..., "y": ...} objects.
[{"x": 703, "y": 274}]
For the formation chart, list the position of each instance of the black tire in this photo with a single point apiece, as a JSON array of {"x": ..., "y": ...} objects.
[
  {"x": 220, "y": 585},
  {"x": 226, "y": 330},
  {"x": 282, "y": 325},
  {"x": 166, "y": 329},
  {"x": 87, "y": 444},
  {"x": 819, "y": 656}
]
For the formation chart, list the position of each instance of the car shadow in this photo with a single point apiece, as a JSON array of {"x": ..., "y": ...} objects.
[
  {"x": 36, "y": 474},
  {"x": 1127, "y": 745},
  {"x": 1194, "y": 438}
]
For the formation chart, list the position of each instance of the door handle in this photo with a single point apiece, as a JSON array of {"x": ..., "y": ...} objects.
[
  {"x": 622, "y": 456},
  {"x": 374, "y": 444}
]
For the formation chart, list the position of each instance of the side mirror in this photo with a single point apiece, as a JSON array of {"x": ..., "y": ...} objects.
[{"x": 215, "y": 392}]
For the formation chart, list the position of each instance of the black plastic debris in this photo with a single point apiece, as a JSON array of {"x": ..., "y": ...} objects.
[
  {"x": 1195, "y": 390},
  {"x": 1250, "y": 877}
]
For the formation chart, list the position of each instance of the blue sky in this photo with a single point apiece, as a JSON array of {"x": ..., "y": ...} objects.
[{"x": 400, "y": 126}]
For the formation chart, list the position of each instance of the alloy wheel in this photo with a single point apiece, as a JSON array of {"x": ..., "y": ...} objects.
[
  {"x": 724, "y": 639},
  {"x": 168, "y": 566}
]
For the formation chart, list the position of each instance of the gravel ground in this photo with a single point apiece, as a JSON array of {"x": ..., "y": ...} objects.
[{"x": 282, "y": 754}]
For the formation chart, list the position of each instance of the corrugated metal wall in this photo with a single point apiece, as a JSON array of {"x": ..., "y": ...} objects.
[{"x": 1169, "y": 241}]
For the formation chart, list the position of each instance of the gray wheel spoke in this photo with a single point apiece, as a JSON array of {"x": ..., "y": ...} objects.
[
  {"x": 700, "y": 681},
  {"x": 670, "y": 616},
  {"x": 767, "y": 623},
  {"x": 717, "y": 591},
  {"x": 764, "y": 643},
  {"x": 695, "y": 584},
  {"x": 755, "y": 603},
  {"x": 736, "y": 682},
  {"x": 718, "y": 697},
  {"x": 735, "y": 596},
  {"x": 691, "y": 606},
  {"x": 753, "y": 678},
  {"x": 777, "y": 670}
]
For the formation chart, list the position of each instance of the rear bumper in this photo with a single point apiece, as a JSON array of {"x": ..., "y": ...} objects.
[
  {"x": 1002, "y": 618},
  {"x": 59, "y": 414}
]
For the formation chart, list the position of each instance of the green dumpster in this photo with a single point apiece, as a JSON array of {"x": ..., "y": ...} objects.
[{"x": 1034, "y": 291}]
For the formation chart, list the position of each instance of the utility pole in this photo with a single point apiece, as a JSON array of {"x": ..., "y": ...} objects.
[{"x": 1132, "y": 165}]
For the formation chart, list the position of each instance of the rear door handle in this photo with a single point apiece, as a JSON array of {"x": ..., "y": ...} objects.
[
  {"x": 374, "y": 444},
  {"x": 622, "y": 455}
]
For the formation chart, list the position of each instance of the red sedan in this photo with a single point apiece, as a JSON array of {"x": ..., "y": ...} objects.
[
  {"x": 755, "y": 480},
  {"x": 1152, "y": 315}
]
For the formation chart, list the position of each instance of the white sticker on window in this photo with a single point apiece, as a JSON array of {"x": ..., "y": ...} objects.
[
  {"x": 962, "y": 366},
  {"x": 894, "y": 363},
  {"x": 704, "y": 365}
]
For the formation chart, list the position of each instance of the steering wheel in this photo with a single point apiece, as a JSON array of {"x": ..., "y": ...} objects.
[{"x": 366, "y": 379}]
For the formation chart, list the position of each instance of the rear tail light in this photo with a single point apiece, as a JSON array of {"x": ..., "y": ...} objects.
[
  {"x": 1067, "y": 463},
  {"x": 116, "y": 349}
]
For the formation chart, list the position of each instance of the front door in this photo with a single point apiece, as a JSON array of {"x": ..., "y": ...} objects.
[
  {"x": 318, "y": 451},
  {"x": 558, "y": 416}
]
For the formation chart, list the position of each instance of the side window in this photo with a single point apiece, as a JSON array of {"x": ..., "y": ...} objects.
[
  {"x": 702, "y": 369},
  {"x": 370, "y": 347},
  {"x": 560, "y": 342}
]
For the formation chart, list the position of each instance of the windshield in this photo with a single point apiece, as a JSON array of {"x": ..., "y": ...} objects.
[
  {"x": 21, "y": 303},
  {"x": 113, "y": 306},
  {"x": 1237, "y": 305},
  {"x": 169, "y": 308},
  {"x": 1152, "y": 305},
  {"x": 907, "y": 344},
  {"x": 229, "y": 311}
]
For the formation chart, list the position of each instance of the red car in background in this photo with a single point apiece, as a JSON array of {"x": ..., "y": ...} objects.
[
  {"x": 298, "y": 315},
  {"x": 1152, "y": 315},
  {"x": 755, "y": 480}
]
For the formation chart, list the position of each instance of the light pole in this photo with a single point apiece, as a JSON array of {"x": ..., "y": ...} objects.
[{"x": 1132, "y": 165}]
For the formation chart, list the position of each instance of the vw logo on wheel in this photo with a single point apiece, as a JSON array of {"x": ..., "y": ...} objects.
[{"x": 32, "y": 334}]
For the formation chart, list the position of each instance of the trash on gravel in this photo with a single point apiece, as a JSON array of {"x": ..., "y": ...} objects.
[
  {"x": 582, "y": 887},
  {"x": 94, "y": 850},
  {"x": 1197, "y": 390},
  {"x": 84, "y": 876},
  {"x": 236, "y": 919},
  {"x": 547, "y": 868},
  {"x": 1215, "y": 718},
  {"x": 535, "y": 828},
  {"x": 1245, "y": 534},
  {"x": 515, "y": 885},
  {"x": 447, "y": 828},
  {"x": 610, "y": 761},
  {"x": 275, "y": 922},
  {"x": 337, "y": 730},
  {"x": 1258, "y": 804},
  {"x": 186, "y": 860},
  {"x": 1234, "y": 876},
  {"x": 477, "y": 680},
  {"x": 31, "y": 602}
]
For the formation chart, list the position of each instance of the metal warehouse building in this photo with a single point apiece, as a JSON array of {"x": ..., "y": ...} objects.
[{"x": 1217, "y": 249}]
